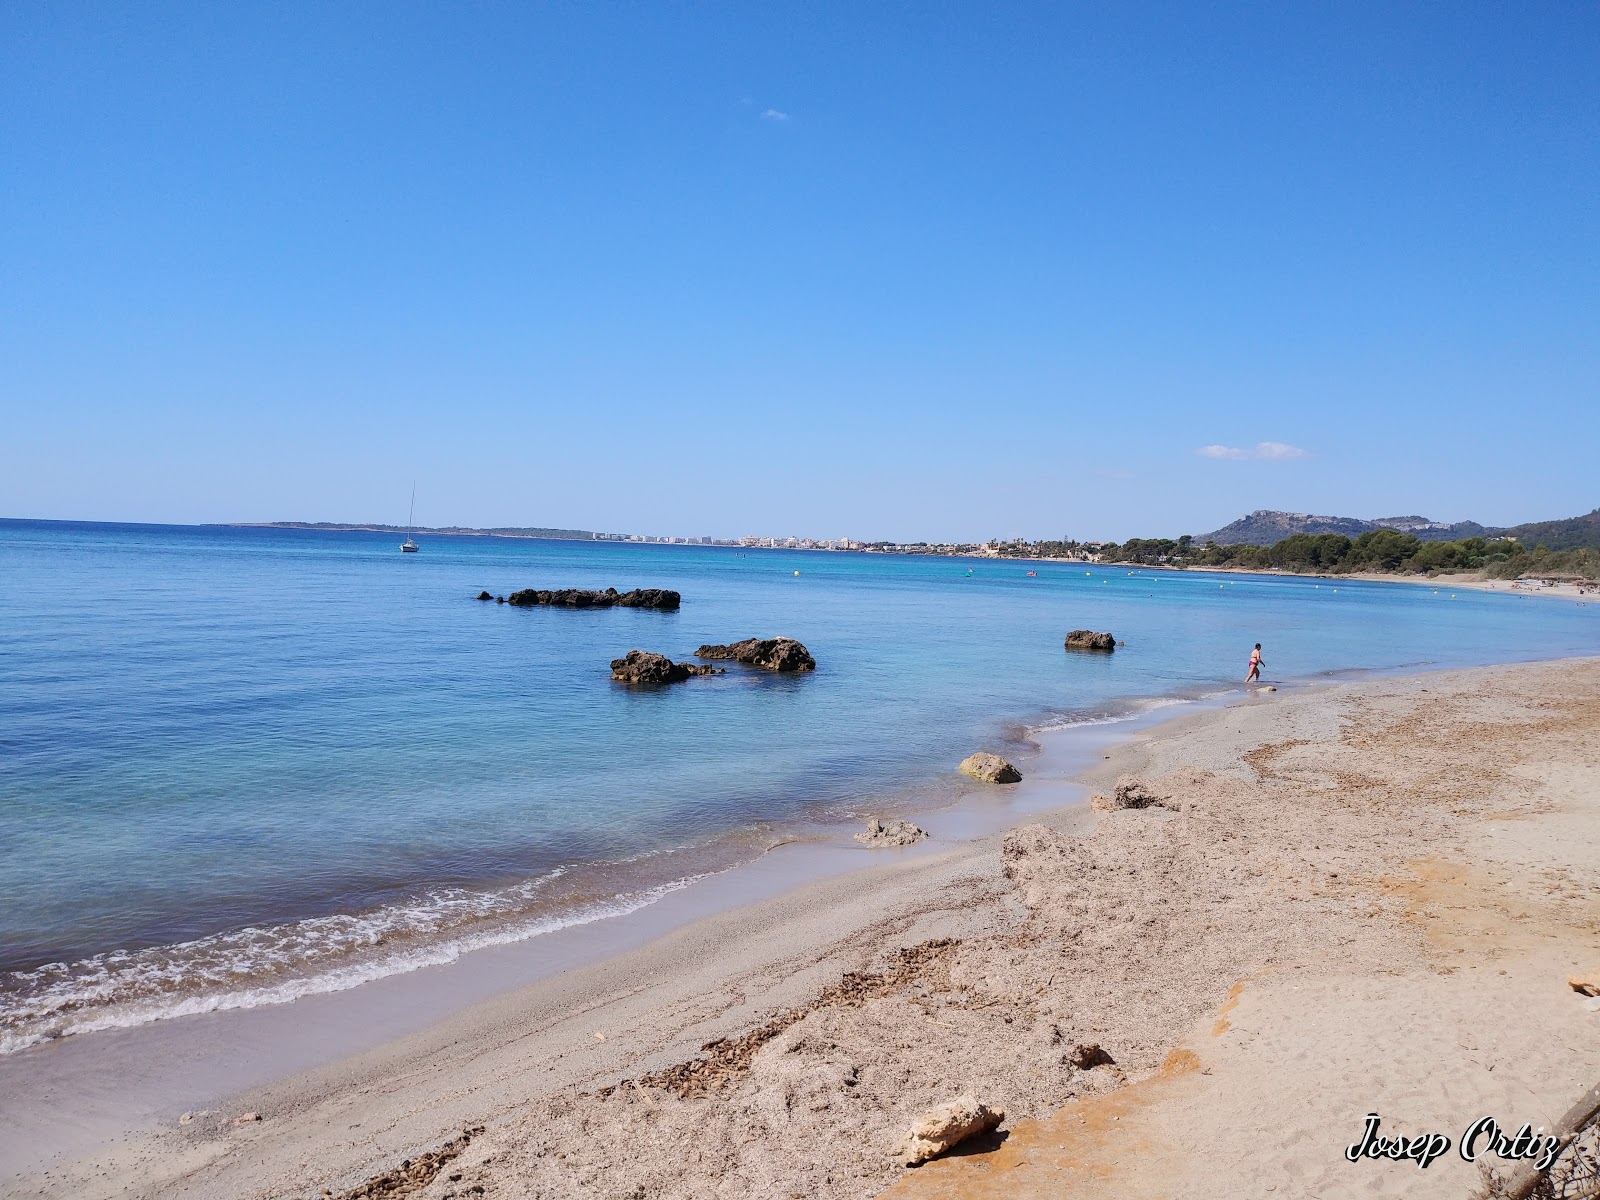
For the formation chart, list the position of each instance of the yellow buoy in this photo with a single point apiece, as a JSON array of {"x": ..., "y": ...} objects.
[{"x": 797, "y": 572}]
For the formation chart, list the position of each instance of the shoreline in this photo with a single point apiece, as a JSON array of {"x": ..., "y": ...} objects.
[
  {"x": 771, "y": 953},
  {"x": 1465, "y": 581},
  {"x": 210, "y": 1056},
  {"x": 573, "y": 895}
]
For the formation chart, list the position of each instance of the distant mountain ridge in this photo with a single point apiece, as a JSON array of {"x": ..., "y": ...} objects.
[{"x": 1266, "y": 526}]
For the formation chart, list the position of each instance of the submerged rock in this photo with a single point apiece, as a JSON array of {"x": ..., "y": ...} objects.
[
  {"x": 660, "y": 598},
  {"x": 989, "y": 768},
  {"x": 1088, "y": 639},
  {"x": 948, "y": 1125},
  {"x": 643, "y": 666},
  {"x": 485, "y": 596},
  {"x": 890, "y": 833},
  {"x": 770, "y": 654}
]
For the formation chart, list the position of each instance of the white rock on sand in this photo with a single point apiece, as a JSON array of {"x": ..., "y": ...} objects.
[{"x": 948, "y": 1125}]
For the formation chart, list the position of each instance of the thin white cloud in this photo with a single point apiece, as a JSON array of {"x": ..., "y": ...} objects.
[
  {"x": 772, "y": 114},
  {"x": 1279, "y": 450},
  {"x": 1268, "y": 450}
]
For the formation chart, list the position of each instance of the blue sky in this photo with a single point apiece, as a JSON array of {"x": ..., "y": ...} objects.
[{"x": 878, "y": 270}]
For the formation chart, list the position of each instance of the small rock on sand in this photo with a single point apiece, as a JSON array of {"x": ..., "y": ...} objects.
[
  {"x": 1088, "y": 1056},
  {"x": 890, "y": 833},
  {"x": 1130, "y": 793},
  {"x": 951, "y": 1123},
  {"x": 246, "y": 1118},
  {"x": 990, "y": 768},
  {"x": 1587, "y": 983}
]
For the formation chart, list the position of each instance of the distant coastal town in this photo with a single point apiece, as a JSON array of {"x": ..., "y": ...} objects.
[{"x": 1265, "y": 540}]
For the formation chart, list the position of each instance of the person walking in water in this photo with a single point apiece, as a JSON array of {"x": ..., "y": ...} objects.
[{"x": 1256, "y": 663}]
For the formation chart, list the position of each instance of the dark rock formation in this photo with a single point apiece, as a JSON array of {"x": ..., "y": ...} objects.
[
  {"x": 989, "y": 768},
  {"x": 485, "y": 596},
  {"x": 610, "y": 598},
  {"x": 641, "y": 666},
  {"x": 1088, "y": 639},
  {"x": 770, "y": 654}
]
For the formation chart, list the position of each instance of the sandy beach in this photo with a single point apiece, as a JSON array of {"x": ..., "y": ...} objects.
[
  {"x": 1359, "y": 898},
  {"x": 1457, "y": 582},
  {"x": 1471, "y": 581}
]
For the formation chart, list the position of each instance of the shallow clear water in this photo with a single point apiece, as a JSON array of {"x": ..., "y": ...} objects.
[{"x": 241, "y": 764}]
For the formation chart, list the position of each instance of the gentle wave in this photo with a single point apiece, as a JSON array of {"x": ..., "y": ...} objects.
[
  {"x": 1132, "y": 712},
  {"x": 264, "y": 965}
]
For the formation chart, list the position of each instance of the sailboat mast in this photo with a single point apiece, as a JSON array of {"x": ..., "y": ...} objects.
[{"x": 411, "y": 516}]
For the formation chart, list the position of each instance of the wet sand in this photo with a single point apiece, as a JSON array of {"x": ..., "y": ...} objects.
[{"x": 1312, "y": 925}]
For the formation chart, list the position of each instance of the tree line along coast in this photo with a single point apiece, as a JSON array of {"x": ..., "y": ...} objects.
[{"x": 1566, "y": 549}]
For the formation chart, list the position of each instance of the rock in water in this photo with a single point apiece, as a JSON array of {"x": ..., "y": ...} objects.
[
  {"x": 890, "y": 833},
  {"x": 946, "y": 1126},
  {"x": 642, "y": 666},
  {"x": 485, "y": 596},
  {"x": 990, "y": 768},
  {"x": 610, "y": 598},
  {"x": 770, "y": 654},
  {"x": 1088, "y": 639}
]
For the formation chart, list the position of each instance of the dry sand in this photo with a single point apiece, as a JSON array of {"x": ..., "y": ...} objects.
[{"x": 1362, "y": 898}]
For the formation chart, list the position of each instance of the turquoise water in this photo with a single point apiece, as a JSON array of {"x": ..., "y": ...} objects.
[{"x": 238, "y": 765}]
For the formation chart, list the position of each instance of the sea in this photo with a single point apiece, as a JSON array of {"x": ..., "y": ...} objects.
[{"x": 243, "y": 765}]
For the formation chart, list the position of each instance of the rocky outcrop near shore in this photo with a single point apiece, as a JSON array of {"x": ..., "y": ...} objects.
[
  {"x": 660, "y": 598},
  {"x": 989, "y": 768},
  {"x": 770, "y": 654},
  {"x": 1088, "y": 639},
  {"x": 643, "y": 666},
  {"x": 880, "y": 833}
]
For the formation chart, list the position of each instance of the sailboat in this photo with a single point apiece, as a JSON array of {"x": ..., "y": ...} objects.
[{"x": 408, "y": 546}]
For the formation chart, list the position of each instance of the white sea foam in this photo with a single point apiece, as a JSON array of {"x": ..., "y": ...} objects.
[
  {"x": 1133, "y": 712},
  {"x": 262, "y": 965}
]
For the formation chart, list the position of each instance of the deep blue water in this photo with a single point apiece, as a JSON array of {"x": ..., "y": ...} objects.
[{"x": 307, "y": 750}]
